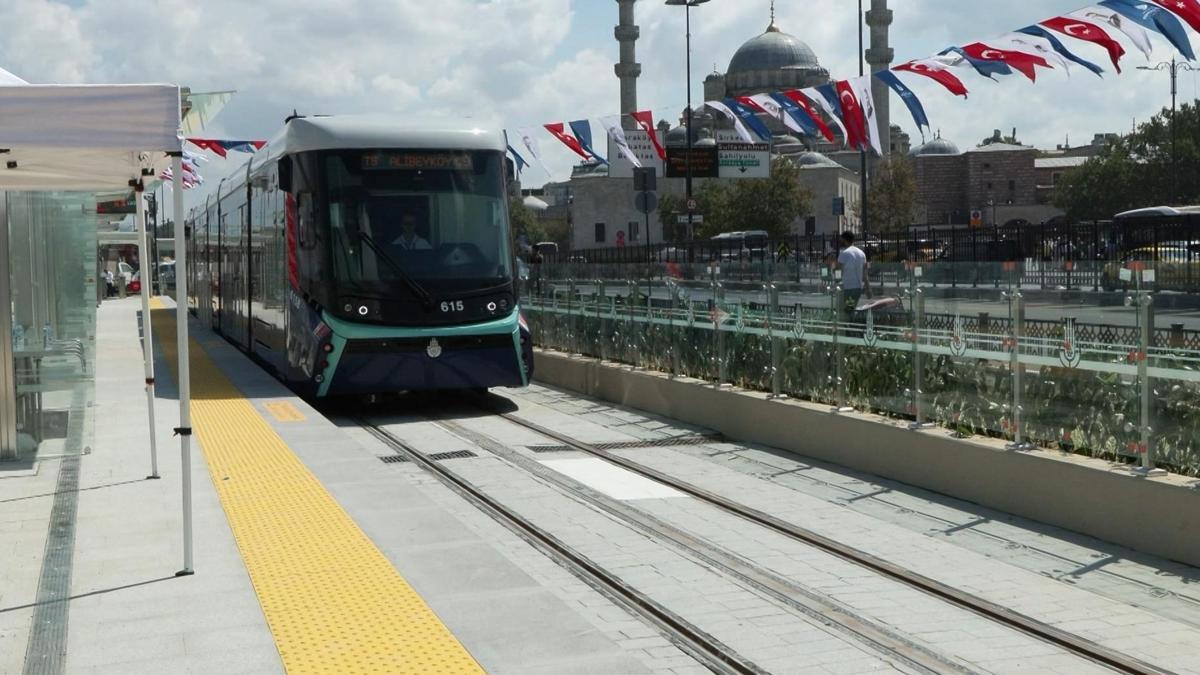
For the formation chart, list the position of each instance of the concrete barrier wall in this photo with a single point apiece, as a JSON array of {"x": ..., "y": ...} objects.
[{"x": 1159, "y": 516}]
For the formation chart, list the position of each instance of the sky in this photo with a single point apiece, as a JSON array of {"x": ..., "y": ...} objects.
[{"x": 523, "y": 63}]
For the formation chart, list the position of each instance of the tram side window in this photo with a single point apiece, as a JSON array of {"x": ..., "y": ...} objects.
[{"x": 304, "y": 220}]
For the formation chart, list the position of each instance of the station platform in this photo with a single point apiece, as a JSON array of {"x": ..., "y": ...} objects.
[{"x": 320, "y": 548}]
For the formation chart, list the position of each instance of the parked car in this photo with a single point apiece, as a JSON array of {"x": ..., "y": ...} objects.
[{"x": 1176, "y": 265}]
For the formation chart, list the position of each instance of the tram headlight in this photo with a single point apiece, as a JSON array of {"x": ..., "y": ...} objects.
[{"x": 327, "y": 348}]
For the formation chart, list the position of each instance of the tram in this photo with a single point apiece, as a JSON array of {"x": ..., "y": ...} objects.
[{"x": 357, "y": 255}]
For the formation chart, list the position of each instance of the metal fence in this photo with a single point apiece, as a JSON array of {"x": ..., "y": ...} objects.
[{"x": 1082, "y": 256}]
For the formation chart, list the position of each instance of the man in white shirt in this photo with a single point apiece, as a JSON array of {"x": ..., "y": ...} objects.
[
  {"x": 409, "y": 240},
  {"x": 853, "y": 264}
]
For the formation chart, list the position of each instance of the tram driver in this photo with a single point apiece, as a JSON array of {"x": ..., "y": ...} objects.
[{"x": 409, "y": 240}]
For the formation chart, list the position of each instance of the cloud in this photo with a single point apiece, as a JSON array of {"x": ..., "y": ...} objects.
[{"x": 527, "y": 62}]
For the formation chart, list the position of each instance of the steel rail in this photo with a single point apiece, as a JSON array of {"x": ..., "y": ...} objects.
[
  {"x": 1069, "y": 641},
  {"x": 695, "y": 642}
]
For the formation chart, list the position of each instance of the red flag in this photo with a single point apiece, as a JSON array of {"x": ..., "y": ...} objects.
[
  {"x": 208, "y": 144},
  {"x": 1188, "y": 10},
  {"x": 936, "y": 73},
  {"x": 645, "y": 120},
  {"x": 852, "y": 115},
  {"x": 1026, "y": 63},
  {"x": 749, "y": 103},
  {"x": 559, "y": 132},
  {"x": 1088, "y": 32},
  {"x": 802, "y": 101}
]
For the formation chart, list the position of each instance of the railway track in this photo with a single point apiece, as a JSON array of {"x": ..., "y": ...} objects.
[{"x": 1044, "y": 632}]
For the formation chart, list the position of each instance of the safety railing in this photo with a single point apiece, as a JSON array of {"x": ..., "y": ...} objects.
[{"x": 1075, "y": 371}]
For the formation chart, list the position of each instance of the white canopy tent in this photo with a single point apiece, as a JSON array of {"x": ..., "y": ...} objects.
[{"x": 87, "y": 138}]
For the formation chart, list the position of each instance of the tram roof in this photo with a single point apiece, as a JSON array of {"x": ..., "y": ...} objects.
[{"x": 351, "y": 132}]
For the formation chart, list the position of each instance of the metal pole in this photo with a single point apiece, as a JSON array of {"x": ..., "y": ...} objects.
[
  {"x": 862, "y": 55},
  {"x": 185, "y": 376},
  {"x": 1174, "y": 155},
  {"x": 918, "y": 299},
  {"x": 1016, "y": 301},
  {"x": 776, "y": 342},
  {"x": 840, "y": 404},
  {"x": 1146, "y": 447},
  {"x": 147, "y": 331},
  {"x": 718, "y": 308},
  {"x": 687, "y": 11}
]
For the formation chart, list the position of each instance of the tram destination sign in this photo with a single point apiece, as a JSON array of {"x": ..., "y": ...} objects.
[{"x": 417, "y": 161}]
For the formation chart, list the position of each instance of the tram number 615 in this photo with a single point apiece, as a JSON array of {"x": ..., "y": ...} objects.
[{"x": 452, "y": 306}]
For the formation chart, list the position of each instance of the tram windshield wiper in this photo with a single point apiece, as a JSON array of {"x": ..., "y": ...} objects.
[{"x": 412, "y": 284}]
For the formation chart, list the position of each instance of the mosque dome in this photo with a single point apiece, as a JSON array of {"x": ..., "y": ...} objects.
[
  {"x": 677, "y": 137},
  {"x": 938, "y": 146},
  {"x": 815, "y": 160},
  {"x": 773, "y": 61},
  {"x": 773, "y": 50}
]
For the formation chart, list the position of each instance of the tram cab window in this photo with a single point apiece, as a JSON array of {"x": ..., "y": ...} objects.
[{"x": 441, "y": 216}]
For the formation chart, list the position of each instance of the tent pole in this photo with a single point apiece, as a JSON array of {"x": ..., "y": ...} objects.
[
  {"x": 185, "y": 378},
  {"x": 147, "y": 333}
]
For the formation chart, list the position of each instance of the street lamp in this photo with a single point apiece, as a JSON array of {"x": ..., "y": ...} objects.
[
  {"x": 687, "y": 12},
  {"x": 1173, "y": 67},
  {"x": 862, "y": 56}
]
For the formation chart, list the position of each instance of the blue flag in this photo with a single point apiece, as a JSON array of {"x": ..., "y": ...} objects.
[
  {"x": 910, "y": 99},
  {"x": 984, "y": 68},
  {"x": 583, "y": 133},
  {"x": 829, "y": 93},
  {"x": 749, "y": 119},
  {"x": 1149, "y": 15},
  {"x": 1038, "y": 31},
  {"x": 521, "y": 163},
  {"x": 800, "y": 115}
]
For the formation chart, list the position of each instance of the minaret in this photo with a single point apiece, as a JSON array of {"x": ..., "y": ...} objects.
[
  {"x": 628, "y": 69},
  {"x": 879, "y": 57}
]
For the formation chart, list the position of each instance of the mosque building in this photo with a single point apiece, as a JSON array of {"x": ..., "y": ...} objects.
[{"x": 602, "y": 208}]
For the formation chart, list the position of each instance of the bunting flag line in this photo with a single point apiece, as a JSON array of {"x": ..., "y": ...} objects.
[
  {"x": 612, "y": 124},
  {"x": 517, "y": 158},
  {"x": 530, "y": 143},
  {"x": 749, "y": 118},
  {"x": 1058, "y": 46},
  {"x": 866, "y": 99},
  {"x": 645, "y": 120},
  {"x": 222, "y": 147},
  {"x": 1157, "y": 19},
  {"x": 1088, "y": 32},
  {"x": 811, "y": 94},
  {"x": 988, "y": 69},
  {"x": 582, "y": 129},
  {"x": 1024, "y": 63},
  {"x": 1034, "y": 46},
  {"x": 799, "y": 118},
  {"x": 803, "y": 103},
  {"x": 908, "y": 96},
  {"x": 1188, "y": 10},
  {"x": 1106, "y": 18},
  {"x": 725, "y": 110},
  {"x": 831, "y": 100},
  {"x": 938, "y": 72},
  {"x": 558, "y": 130}
]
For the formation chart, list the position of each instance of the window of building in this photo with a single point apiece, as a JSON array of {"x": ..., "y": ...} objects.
[
  {"x": 633, "y": 230},
  {"x": 987, "y": 166},
  {"x": 1054, "y": 177},
  {"x": 989, "y": 185},
  {"x": 1012, "y": 185},
  {"x": 600, "y": 235}
]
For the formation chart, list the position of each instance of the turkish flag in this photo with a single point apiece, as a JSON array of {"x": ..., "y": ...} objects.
[
  {"x": 802, "y": 101},
  {"x": 1088, "y": 32},
  {"x": 749, "y": 103},
  {"x": 1188, "y": 10},
  {"x": 936, "y": 72},
  {"x": 559, "y": 131},
  {"x": 645, "y": 120},
  {"x": 852, "y": 115},
  {"x": 1026, "y": 63}
]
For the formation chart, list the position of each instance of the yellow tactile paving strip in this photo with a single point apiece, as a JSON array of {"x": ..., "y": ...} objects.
[{"x": 332, "y": 600}]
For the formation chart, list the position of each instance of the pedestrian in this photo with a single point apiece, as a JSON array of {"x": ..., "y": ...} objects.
[
  {"x": 110, "y": 288},
  {"x": 852, "y": 261}
]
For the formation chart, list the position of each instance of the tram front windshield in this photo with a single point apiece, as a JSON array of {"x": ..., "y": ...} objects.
[{"x": 439, "y": 218}]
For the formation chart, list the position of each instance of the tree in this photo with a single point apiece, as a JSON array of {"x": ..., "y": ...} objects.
[
  {"x": 525, "y": 222},
  {"x": 1138, "y": 170},
  {"x": 892, "y": 197}
]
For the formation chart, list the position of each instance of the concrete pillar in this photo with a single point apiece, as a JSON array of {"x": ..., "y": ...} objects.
[
  {"x": 628, "y": 70},
  {"x": 879, "y": 57}
]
